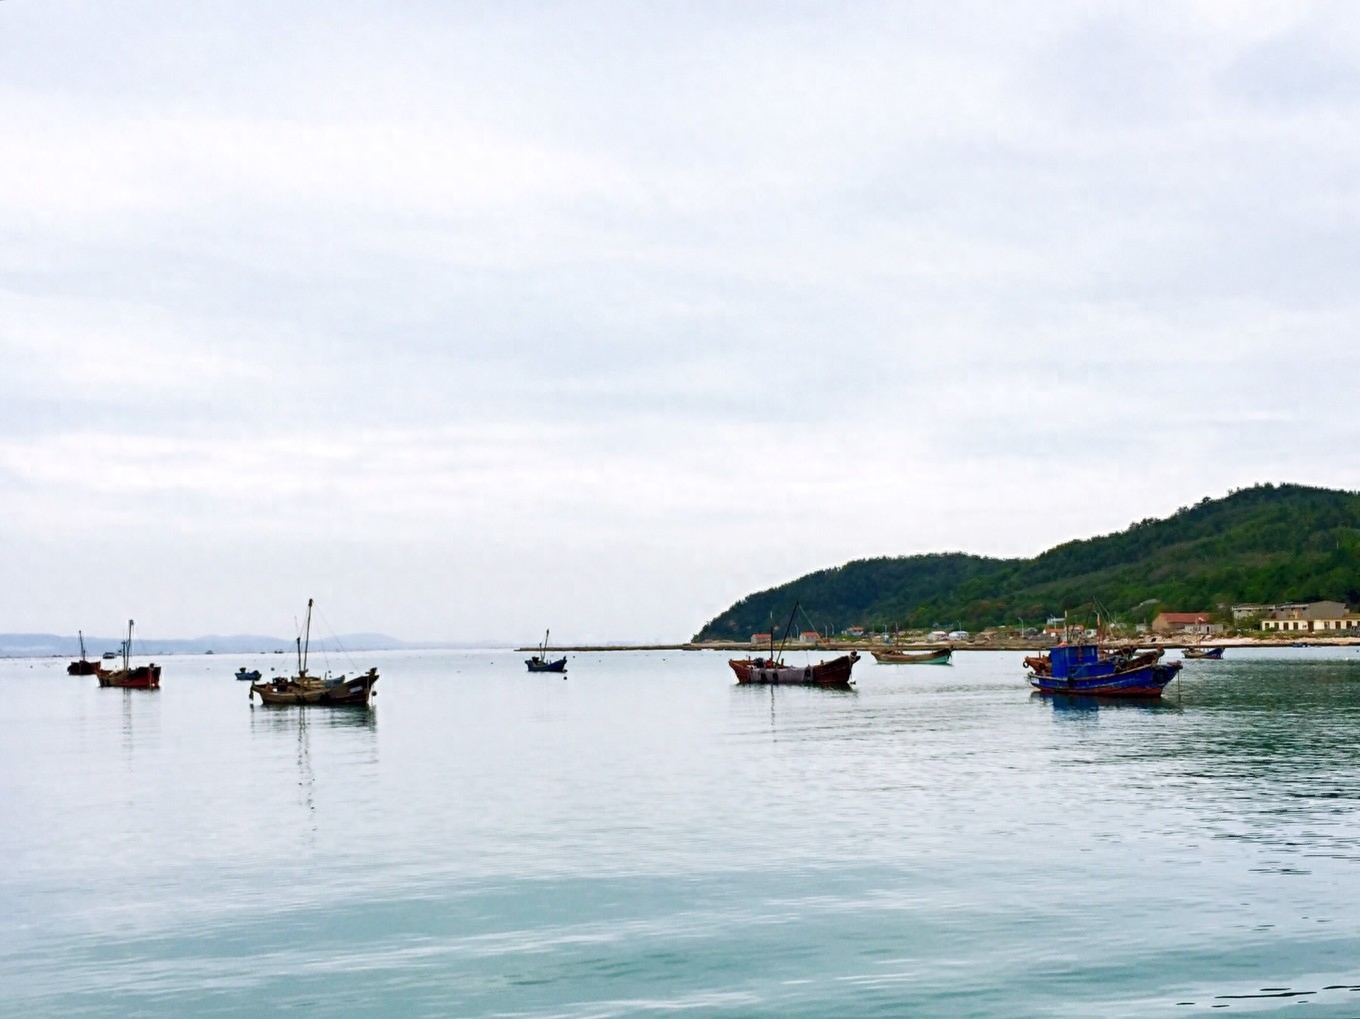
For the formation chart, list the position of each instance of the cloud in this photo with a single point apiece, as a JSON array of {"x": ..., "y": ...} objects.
[{"x": 623, "y": 311}]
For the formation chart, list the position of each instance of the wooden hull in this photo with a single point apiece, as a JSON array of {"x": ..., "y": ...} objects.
[
  {"x": 537, "y": 665},
  {"x": 835, "y": 673},
  {"x": 143, "y": 677},
  {"x": 83, "y": 668},
  {"x": 308, "y": 692},
  {"x": 940, "y": 657}
]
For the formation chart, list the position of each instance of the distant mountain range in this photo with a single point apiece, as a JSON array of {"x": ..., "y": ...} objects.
[
  {"x": 1264, "y": 544},
  {"x": 37, "y": 645}
]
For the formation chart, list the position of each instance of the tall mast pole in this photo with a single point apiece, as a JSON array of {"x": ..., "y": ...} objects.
[{"x": 307, "y": 639}]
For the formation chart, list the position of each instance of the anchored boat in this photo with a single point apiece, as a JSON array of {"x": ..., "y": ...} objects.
[
  {"x": 84, "y": 667},
  {"x": 1212, "y": 654},
  {"x": 835, "y": 673},
  {"x": 310, "y": 691},
  {"x": 140, "y": 677},
  {"x": 935, "y": 656},
  {"x": 1102, "y": 672},
  {"x": 773, "y": 670},
  {"x": 540, "y": 663}
]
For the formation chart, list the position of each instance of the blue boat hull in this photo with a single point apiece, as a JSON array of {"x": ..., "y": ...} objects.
[
  {"x": 1148, "y": 681},
  {"x": 535, "y": 665}
]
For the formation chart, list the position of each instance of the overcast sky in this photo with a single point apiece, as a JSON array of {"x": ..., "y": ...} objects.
[{"x": 474, "y": 319}]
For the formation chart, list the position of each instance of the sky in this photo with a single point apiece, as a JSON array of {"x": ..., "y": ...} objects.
[{"x": 475, "y": 319}]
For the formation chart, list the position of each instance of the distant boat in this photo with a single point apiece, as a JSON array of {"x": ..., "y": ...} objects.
[
  {"x": 309, "y": 691},
  {"x": 1101, "y": 672},
  {"x": 540, "y": 663},
  {"x": 109, "y": 656},
  {"x": 141, "y": 677},
  {"x": 251, "y": 675},
  {"x": 1205, "y": 653},
  {"x": 937, "y": 656},
  {"x": 84, "y": 667}
]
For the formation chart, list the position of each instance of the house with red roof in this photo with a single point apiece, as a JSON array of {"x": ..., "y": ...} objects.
[{"x": 1185, "y": 622}]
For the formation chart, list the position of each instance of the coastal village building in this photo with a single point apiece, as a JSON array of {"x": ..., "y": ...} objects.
[
  {"x": 1240, "y": 612},
  {"x": 1316, "y": 617},
  {"x": 761, "y": 638},
  {"x": 809, "y": 637},
  {"x": 1185, "y": 622}
]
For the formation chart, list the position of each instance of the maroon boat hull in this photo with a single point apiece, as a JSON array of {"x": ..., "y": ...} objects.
[
  {"x": 758, "y": 671},
  {"x": 83, "y": 667},
  {"x": 143, "y": 677}
]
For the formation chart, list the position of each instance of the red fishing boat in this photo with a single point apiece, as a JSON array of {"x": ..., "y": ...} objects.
[
  {"x": 84, "y": 667},
  {"x": 141, "y": 677},
  {"x": 835, "y": 673}
]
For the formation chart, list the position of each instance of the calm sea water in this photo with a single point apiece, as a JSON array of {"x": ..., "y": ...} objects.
[{"x": 646, "y": 838}]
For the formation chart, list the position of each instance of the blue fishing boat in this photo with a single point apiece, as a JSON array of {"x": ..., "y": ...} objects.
[
  {"x": 1101, "y": 672},
  {"x": 541, "y": 663},
  {"x": 248, "y": 675}
]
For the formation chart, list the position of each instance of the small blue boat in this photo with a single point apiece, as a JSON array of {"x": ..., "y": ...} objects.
[
  {"x": 253, "y": 676},
  {"x": 1208, "y": 654},
  {"x": 540, "y": 662},
  {"x": 1101, "y": 672}
]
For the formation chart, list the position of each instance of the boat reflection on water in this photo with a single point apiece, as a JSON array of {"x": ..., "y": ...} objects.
[
  {"x": 286, "y": 722},
  {"x": 1076, "y": 703}
]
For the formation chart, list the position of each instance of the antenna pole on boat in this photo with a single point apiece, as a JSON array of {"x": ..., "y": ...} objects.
[{"x": 127, "y": 646}]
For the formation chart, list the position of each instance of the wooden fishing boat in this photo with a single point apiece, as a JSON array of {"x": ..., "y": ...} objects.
[
  {"x": 835, "y": 673},
  {"x": 84, "y": 667},
  {"x": 248, "y": 675},
  {"x": 304, "y": 690},
  {"x": 1211, "y": 654},
  {"x": 331, "y": 692},
  {"x": 1101, "y": 672},
  {"x": 540, "y": 662},
  {"x": 141, "y": 677},
  {"x": 935, "y": 656}
]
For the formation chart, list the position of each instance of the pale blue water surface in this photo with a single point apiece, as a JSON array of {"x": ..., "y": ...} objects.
[{"x": 646, "y": 838}]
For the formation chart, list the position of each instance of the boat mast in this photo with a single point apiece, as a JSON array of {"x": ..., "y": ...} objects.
[
  {"x": 127, "y": 646},
  {"x": 543, "y": 651},
  {"x": 787, "y": 627},
  {"x": 307, "y": 639},
  {"x": 81, "y": 635}
]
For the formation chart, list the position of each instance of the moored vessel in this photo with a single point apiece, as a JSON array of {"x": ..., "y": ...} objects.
[
  {"x": 140, "y": 677},
  {"x": 540, "y": 662},
  {"x": 1101, "y": 672},
  {"x": 773, "y": 671},
  {"x": 934, "y": 656},
  {"x": 83, "y": 667},
  {"x": 1211, "y": 654},
  {"x": 304, "y": 690}
]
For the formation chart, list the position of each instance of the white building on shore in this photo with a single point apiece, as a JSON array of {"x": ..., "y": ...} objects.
[{"x": 1316, "y": 617}]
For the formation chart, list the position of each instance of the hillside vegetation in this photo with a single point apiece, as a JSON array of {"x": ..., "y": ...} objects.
[{"x": 1264, "y": 544}]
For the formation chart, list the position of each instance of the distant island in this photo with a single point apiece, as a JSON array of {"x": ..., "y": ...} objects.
[
  {"x": 1265, "y": 544},
  {"x": 39, "y": 645}
]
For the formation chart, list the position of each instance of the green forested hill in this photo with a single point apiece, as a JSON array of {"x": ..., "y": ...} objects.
[{"x": 1264, "y": 544}]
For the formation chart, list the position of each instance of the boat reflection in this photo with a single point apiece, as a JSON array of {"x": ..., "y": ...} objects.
[
  {"x": 275, "y": 720},
  {"x": 1078, "y": 703}
]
